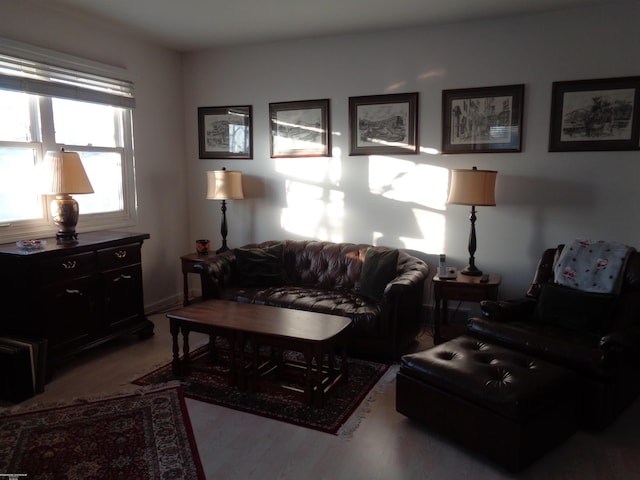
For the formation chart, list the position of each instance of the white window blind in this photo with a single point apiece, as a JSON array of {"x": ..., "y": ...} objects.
[{"x": 40, "y": 72}]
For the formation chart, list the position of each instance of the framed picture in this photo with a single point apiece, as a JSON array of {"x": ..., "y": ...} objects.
[
  {"x": 383, "y": 124},
  {"x": 595, "y": 115},
  {"x": 482, "y": 120},
  {"x": 225, "y": 132},
  {"x": 300, "y": 129}
]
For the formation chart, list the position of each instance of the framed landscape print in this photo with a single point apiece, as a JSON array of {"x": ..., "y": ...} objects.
[
  {"x": 383, "y": 124},
  {"x": 225, "y": 132},
  {"x": 300, "y": 129},
  {"x": 482, "y": 120},
  {"x": 595, "y": 115}
]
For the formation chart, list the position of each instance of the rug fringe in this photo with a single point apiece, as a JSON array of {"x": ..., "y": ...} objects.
[
  {"x": 351, "y": 425},
  {"x": 139, "y": 390}
]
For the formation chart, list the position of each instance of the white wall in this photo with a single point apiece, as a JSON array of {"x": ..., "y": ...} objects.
[
  {"x": 158, "y": 128},
  {"x": 543, "y": 198}
]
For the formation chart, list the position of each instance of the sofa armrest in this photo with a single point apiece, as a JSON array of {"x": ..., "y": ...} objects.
[
  {"x": 402, "y": 307},
  {"x": 507, "y": 310},
  {"x": 216, "y": 273},
  {"x": 622, "y": 345},
  {"x": 411, "y": 271}
]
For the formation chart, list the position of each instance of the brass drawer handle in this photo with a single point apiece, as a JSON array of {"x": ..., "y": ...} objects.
[
  {"x": 121, "y": 254},
  {"x": 122, "y": 277},
  {"x": 69, "y": 265}
]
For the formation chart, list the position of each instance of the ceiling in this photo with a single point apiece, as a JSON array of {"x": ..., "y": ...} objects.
[{"x": 186, "y": 25}]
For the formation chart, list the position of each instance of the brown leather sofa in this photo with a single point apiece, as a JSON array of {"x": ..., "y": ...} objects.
[
  {"x": 604, "y": 351},
  {"x": 329, "y": 278}
]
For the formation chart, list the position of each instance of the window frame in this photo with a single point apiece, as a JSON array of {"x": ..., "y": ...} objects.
[{"x": 44, "y": 227}]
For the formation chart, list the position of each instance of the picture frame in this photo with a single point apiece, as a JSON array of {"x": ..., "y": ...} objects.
[
  {"x": 300, "y": 128},
  {"x": 482, "y": 120},
  {"x": 595, "y": 115},
  {"x": 225, "y": 132},
  {"x": 384, "y": 124}
]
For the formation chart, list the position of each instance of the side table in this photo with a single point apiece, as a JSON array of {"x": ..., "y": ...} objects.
[
  {"x": 465, "y": 288},
  {"x": 189, "y": 262}
]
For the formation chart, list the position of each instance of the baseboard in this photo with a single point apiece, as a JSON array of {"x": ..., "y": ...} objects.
[{"x": 164, "y": 305}]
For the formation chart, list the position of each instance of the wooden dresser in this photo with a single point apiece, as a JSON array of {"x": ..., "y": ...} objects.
[{"x": 76, "y": 295}]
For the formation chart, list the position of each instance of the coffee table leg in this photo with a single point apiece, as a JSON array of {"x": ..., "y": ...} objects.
[
  {"x": 175, "y": 364},
  {"x": 185, "y": 350},
  {"x": 310, "y": 378}
]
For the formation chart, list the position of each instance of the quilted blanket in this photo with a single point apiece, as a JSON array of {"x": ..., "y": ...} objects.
[{"x": 592, "y": 266}]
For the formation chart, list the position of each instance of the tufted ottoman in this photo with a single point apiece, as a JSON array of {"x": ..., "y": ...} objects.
[{"x": 506, "y": 405}]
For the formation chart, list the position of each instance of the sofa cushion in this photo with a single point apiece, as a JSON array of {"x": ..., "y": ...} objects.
[
  {"x": 379, "y": 268},
  {"x": 366, "y": 315},
  {"x": 260, "y": 266},
  {"x": 574, "y": 309}
]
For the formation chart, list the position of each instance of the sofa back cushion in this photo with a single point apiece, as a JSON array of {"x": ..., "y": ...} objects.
[
  {"x": 335, "y": 266},
  {"x": 566, "y": 307},
  {"x": 259, "y": 267}
]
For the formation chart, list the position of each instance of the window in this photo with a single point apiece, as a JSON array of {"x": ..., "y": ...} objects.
[{"x": 47, "y": 105}]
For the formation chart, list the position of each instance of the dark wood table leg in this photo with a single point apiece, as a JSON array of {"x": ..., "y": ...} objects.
[
  {"x": 185, "y": 287},
  {"x": 309, "y": 380},
  {"x": 318, "y": 390},
  {"x": 175, "y": 364},
  {"x": 185, "y": 351}
]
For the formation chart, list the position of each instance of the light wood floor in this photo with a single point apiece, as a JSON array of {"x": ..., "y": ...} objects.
[{"x": 236, "y": 445}]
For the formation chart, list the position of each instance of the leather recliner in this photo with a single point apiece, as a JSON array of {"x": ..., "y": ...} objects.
[{"x": 606, "y": 359}]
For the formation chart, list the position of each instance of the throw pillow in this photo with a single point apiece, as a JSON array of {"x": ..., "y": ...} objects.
[
  {"x": 379, "y": 268},
  {"x": 574, "y": 309},
  {"x": 260, "y": 267}
]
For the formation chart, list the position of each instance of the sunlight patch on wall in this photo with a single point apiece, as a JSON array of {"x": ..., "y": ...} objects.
[
  {"x": 406, "y": 181},
  {"x": 313, "y": 169},
  {"x": 313, "y": 211},
  {"x": 430, "y": 150},
  {"x": 432, "y": 226}
]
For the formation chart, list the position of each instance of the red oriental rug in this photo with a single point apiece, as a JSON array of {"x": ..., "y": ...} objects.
[
  {"x": 208, "y": 382},
  {"x": 141, "y": 436}
]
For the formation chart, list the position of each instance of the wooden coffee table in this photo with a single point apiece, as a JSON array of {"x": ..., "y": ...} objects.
[{"x": 248, "y": 327}]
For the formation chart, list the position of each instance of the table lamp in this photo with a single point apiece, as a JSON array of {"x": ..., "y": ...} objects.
[
  {"x": 476, "y": 188},
  {"x": 63, "y": 175},
  {"x": 224, "y": 185}
]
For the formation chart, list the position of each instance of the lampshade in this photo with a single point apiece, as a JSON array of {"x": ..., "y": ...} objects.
[
  {"x": 473, "y": 187},
  {"x": 224, "y": 185},
  {"x": 62, "y": 172}
]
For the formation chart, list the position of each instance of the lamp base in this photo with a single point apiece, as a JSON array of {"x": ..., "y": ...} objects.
[
  {"x": 66, "y": 237},
  {"x": 472, "y": 271},
  {"x": 65, "y": 212}
]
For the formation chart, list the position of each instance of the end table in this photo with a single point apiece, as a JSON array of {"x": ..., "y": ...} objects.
[
  {"x": 465, "y": 288},
  {"x": 189, "y": 261}
]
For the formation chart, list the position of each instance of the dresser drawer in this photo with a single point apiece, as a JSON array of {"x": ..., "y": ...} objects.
[
  {"x": 119, "y": 257},
  {"x": 72, "y": 266}
]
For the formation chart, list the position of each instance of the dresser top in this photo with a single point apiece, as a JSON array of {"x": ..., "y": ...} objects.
[{"x": 86, "y": 241}]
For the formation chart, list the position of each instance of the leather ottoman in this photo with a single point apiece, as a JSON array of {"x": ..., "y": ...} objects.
[{"x": 506, "y": 405}]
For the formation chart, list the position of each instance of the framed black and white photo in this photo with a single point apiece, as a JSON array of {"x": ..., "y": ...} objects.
[
  {"x": 595, "y": 115},
  {"x": 300, "y": 129},
  {"x": 482, "y": 120},
  {"x": 225, "y": 132},
  {"x": 383, "y": 124}
]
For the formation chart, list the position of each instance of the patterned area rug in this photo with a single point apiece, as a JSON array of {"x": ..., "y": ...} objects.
[
  {"x": 207, "y": 382},
  {"x": 142, "y": 436}
]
